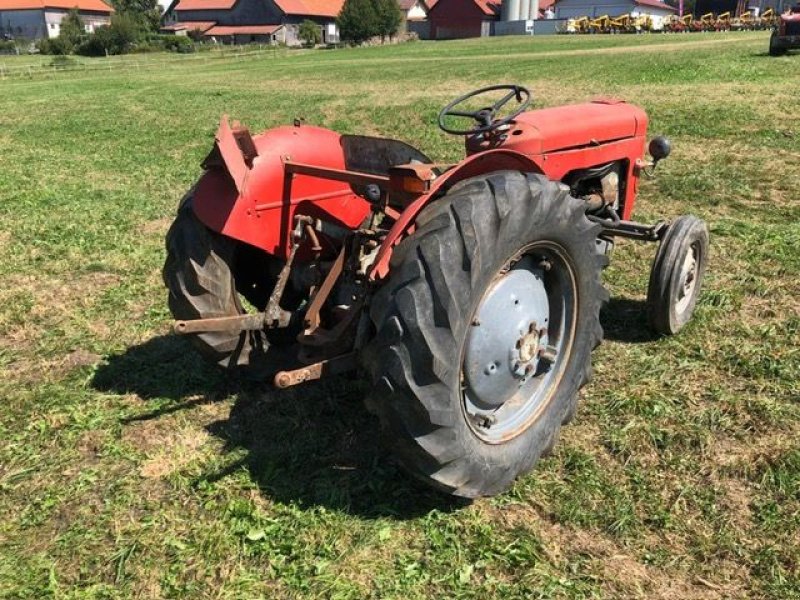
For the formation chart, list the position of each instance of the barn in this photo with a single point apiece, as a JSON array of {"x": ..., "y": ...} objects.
[
  {"x": 452, "y": 19},
  {"x": 570, "y": 9},
  {"x": 245, "y": 21},
  {"x": 37, "y": 19}
]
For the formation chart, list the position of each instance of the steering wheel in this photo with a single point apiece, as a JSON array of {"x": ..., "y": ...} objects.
[{"x": 485, "y": 117}]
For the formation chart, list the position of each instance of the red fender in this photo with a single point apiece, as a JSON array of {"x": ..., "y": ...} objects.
[
  {"x": 477, "y": 164},
  {"x": 246, "y": 195}
]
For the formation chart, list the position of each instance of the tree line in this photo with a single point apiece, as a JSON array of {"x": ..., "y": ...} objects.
[
  {"x": 360, "y": 20},
  {"x": 134, "y": 25}
]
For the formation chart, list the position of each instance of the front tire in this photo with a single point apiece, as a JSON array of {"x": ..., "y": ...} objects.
[
  {"x": 481, "y": 347},
  {"x": 677, "y": 275}
]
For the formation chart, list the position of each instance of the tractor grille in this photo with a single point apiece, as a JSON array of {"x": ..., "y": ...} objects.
[{"x": 793, "y": 28}]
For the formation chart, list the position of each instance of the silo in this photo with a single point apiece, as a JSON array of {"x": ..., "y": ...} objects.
[
  {"x": 524, "y": 9},
  {"x": 534, "y": 10},
  {"x": 510, "y": 10}
]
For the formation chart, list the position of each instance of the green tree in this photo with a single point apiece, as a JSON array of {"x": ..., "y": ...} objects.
[
  {"x": 310, "y": 33},
  {"x": 388, "y": 17},
  {"x": 147, "y": 13},
  {"x": 357, "y": 21},
  {"x": 116, "y": 38},
  {"x": 72, "y": 28},
  {"x": 57, "y": 46}
]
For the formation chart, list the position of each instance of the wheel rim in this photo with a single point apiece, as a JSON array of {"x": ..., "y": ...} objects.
[
  {"x": 518, "y": 343},
  {"x": 687, "y": 281}
]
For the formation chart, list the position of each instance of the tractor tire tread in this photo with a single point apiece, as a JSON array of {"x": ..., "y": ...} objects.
[
  {"x": 197, "y": 273},
  {"x": 419, "y": 310}
]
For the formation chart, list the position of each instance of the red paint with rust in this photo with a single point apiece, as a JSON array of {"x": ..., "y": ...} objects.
[
  {"x": 552, "y": 141},
  {"x": 262, "y": 212}
]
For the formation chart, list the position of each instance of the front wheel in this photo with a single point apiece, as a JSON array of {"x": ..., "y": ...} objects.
[
  {"x": 677, "y": 275},
  {"x": 485, "y": 330}
]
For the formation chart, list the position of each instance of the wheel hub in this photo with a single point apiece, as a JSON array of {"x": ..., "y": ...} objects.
[
  {"x": 687, "y": 279},
  {"x": 506, "y": 339},
  {"x": 528, "y": 344}
]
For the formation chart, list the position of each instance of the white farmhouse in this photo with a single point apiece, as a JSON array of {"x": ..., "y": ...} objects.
[{"x": 37, "y": 19}]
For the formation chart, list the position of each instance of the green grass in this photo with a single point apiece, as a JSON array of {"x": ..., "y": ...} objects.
[{"x": 130, "y": 469}]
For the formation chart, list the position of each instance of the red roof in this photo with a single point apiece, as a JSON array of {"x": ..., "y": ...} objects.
[
  {"x": 87, "y": 5},
  {"x": 204, "y": 4},
  {"x": 312, "y": 8},
  {"x": 489, "y": 7},
  {"x": 409, "y": 4},
  {"x": 655, "y": 4},
  {"x": 243, "y": 30},
  {"x": 190, "y": 25}
]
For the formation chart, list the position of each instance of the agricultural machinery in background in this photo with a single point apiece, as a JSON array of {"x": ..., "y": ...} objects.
[
  {"x": 469, "y": 293},
  {"x": 786, "y": 35},
  {"x": 746, "y": 20}
]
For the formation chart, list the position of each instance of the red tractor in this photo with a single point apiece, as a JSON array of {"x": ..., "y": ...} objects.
[
  {"x": 470, "y": 293},
  {"x": 786, "y": 35}
]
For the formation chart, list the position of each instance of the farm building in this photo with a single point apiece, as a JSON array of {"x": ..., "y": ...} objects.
[
  {"x": 37, "y": 19},
  {"x": 415, "y": 10},
  {"x": 245, "y": 21},
  {"x": 451, "y": 19},
  {"x": 415, "y": 17},
  {"x": 570, "y": 9}
]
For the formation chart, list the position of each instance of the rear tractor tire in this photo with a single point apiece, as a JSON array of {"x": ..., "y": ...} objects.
[
  {"x": 484, "y": 331},
  {"x": 677, "y": 275},
  {"x": 202, "y": 272}
]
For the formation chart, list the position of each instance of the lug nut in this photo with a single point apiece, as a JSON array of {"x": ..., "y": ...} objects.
[{"x": 549, "y": 353}]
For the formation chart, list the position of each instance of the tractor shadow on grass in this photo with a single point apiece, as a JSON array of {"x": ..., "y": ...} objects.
[
  {"x": 316, "y": 445},
  {"x": 625, "y": 320},
  {"x": 312, "y": 445},
  {"x": 162, "y": 368}
]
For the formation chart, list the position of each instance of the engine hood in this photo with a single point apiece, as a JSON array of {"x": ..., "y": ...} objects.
[{"x": 575, "y": 126}]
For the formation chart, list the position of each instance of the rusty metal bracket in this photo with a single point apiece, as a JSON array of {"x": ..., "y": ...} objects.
[
  {"x": 274, "y": 315},
  {"x": 635, "y": 231},
  {"x": 332, "y": 366},
  {"x": 249, "y": 322},
  {"x": 312, "y": 313},
  {"x": 353, "y": 177}
]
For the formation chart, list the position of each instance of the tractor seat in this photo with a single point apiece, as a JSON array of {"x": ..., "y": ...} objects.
[{"x": 376, "y": 155}]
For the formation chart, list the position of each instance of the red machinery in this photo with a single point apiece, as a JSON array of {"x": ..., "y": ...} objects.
[
  {"x": 469, "y": 292},
  {"x": 786, "y": 36}
]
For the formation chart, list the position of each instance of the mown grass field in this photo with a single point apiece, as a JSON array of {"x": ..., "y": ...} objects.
[{"x": 129, "y": 469}]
